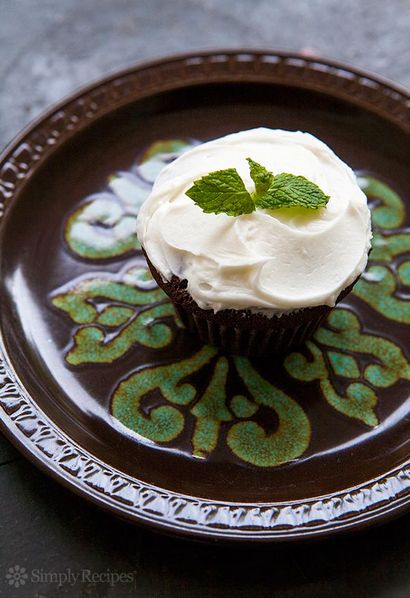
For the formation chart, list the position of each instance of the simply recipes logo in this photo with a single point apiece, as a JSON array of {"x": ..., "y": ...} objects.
[{"x": 17, "y": 576}]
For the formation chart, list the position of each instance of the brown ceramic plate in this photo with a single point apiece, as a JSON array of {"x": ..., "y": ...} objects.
[{"x": 102, "y": 387}]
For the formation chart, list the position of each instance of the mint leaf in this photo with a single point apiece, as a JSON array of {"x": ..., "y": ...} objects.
[
  {"x": 222, "y": 191},
  {"x": 288, "y": 191},
  {"x": 261, "y": 177}
]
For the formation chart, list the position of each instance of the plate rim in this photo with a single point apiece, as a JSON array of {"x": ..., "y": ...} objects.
[
  {"x": 211, "y": 519},
  {"x": 113, "y": 74}
]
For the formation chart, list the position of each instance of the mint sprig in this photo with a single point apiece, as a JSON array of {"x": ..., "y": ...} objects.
[{"x": 223, "y": 191}]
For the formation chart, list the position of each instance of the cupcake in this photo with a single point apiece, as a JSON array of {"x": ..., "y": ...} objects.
[{"x": 255, "y": 236}]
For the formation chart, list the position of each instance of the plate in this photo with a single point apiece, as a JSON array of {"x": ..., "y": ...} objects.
[{"x": 102, "y": 387}]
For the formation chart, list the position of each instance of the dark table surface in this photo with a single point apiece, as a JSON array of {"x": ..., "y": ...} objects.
[{"x": 48, "y": 48}]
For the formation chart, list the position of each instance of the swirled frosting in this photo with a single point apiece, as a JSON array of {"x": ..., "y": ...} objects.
[{"x": 269, "y": 261}]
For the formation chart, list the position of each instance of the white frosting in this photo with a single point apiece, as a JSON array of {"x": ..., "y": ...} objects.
[{"x": 268, "y": 261}]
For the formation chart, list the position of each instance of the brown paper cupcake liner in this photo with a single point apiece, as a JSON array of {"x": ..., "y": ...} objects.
[{"x": 272, "y": 340}]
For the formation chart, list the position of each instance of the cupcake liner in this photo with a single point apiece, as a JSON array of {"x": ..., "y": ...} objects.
[{"x": 274, "y": 339}]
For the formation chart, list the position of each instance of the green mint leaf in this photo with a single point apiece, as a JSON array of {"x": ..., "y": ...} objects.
[
  {"x": 288, "y": 191},
  {"x": 222, "y": 191},
  {"x": 261, "y": 177}
]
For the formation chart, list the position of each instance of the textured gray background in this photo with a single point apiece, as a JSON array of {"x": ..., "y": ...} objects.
[
  {"x": 47, "y": 49},
  {"x": 50, "y": 47}
]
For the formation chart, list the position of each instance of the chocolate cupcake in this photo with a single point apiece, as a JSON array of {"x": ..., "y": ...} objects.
[{"x": 255, "y": 237}]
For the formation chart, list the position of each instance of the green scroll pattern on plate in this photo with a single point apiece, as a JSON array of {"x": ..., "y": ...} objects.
[
  {"x": 385, "y": 285},
  {"x": 103, "y": 226},
  {"x": 115, "y": 312},
  {"x": 334, "y": 353},
  {"x": 247, "y": 439}
]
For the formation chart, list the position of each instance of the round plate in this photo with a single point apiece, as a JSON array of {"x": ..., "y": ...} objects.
[{"x": 102, "y": 387}]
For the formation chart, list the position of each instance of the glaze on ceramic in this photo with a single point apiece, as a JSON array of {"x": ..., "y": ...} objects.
[
  {"x": 127, "y": 309},
  {"x": 102, "y": 387}
]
